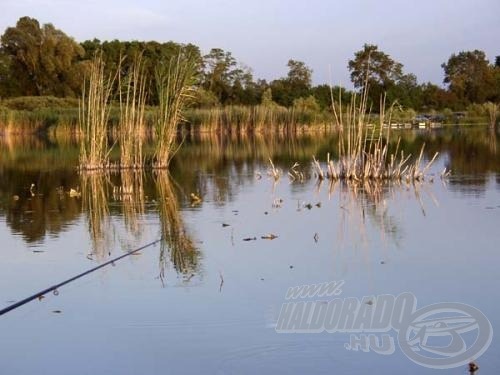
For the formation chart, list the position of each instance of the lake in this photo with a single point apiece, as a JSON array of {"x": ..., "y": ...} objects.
[{"x": 209, "y": 297}]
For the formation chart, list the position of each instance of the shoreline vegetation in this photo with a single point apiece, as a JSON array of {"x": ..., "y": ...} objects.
[
  {"x": 51, "y": 115},
  {"x": 40, "y": 94}
]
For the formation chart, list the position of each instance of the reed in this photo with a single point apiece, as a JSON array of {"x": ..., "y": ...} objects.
[
  {"x": 492, "y": 110},
  {"x": 174, "y": 86},
  {"x": 94, "y": 111},
  {"x": 363, "y": 151},
  {"x": 261, "y": 118},
  {"x": 132, "y": 125}
]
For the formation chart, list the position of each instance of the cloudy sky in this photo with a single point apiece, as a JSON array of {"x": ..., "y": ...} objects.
[{"x": 264, "y": 34}]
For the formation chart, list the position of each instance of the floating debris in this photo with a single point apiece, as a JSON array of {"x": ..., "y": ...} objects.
[
  {"x": 277, "y": 203},
  {"x": 308, "y": 206},
  {"x": 225, "y": 225},
  {"x": 195, "y": 200},
  {"x": 382, "y": 262},
  {"x": 57, "y": 311},
  {"x": 250, "y": 239},
  {"x": 316, "y": 237},
  {"x": 473, "y": 367},
  {"x": 38, "y": 251},
  {"x": 318, "y": 204},
  {"x": 291, "y": 267},
  {"x": 269, "y": 236},
  {"x": 74, "y": 193}
]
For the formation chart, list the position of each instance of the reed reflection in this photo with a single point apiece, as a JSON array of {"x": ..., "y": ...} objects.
[
  {"x": 95, "y": 198},
  {"x": 177, "y": 249}
]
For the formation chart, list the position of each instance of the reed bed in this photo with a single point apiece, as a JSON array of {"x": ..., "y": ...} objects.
[{"x": 260, "y": 118}]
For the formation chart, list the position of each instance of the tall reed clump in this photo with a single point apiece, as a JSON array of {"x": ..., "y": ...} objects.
[
  {"x": 94, "y": 109},
  {"x": 363, "y": 152},
  {"x": 132, "y": 124},
  {"x": 174, "y": 86}
]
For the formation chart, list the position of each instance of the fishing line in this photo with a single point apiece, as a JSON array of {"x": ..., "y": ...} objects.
[{"x": 55, "y": 287}]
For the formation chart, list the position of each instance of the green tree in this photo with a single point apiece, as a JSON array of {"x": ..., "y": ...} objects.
[
  {"x": 229, "y": 81},
  {"x": 41, "y": 60},
  {"x": 296, "y": 85},
  {"x": 375, "y": 68},
  {"x": 470, "y": 77}
]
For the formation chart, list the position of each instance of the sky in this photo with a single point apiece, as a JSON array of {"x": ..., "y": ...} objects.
[{"x": 265, "y": 34}]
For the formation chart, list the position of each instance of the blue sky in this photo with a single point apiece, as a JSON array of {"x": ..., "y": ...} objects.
[{"x": 264, "y": 34}]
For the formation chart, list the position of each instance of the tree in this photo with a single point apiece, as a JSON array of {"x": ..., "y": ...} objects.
[
  {"x": 470, "y": 77},
  {"x": 375, "y": 66},
  {"x": 41, "y": 60},
  {"x": 227, "y": 79},
  {"x": 296, "y": 85}
]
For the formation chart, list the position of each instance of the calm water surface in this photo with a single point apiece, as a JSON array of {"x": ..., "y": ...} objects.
[{"x": 207, "y": 301}]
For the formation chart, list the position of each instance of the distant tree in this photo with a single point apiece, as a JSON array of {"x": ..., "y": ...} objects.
[
  {"x": 299, "y": 75},
  {"x": 406, "y": 91},
  {"x": 297, "y": 83},
  {"x": 470, "y": 77},
  {"x": 437, "y": 98},
  {"x": 324, "y": 93},
  {"x": 40, "y": 60},
  {"x": 375, "y": 66},
  {"x": 497, "y": 62}
]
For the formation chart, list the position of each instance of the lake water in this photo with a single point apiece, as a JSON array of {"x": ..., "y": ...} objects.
[{"x": 208, "y": 298}]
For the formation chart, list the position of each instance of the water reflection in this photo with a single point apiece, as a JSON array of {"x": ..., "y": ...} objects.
[
  {"x": 177, "y": 248},
  {"x": 230, "y": 162},
  {"x": 94, "y": 190}
]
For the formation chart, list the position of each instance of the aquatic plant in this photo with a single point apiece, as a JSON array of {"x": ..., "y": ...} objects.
[
  {"x": 363, "y": 148},
  {"x": 174, "y": 86},
  {"x": 94, "y": 110},
  {"x": 131, "y": 129}
]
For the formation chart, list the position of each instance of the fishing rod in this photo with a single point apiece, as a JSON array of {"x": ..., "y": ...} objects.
[{"x": 55, "y": 287}]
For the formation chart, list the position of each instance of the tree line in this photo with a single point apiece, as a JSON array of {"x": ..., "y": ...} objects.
[{"x": 41, "y": 60}]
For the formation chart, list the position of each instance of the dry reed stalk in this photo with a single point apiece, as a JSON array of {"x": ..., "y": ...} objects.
[
  {"x": 132, "y": 116},
  {"x": 174, "y": 83},
  {"x": 94, "y": 109}
]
